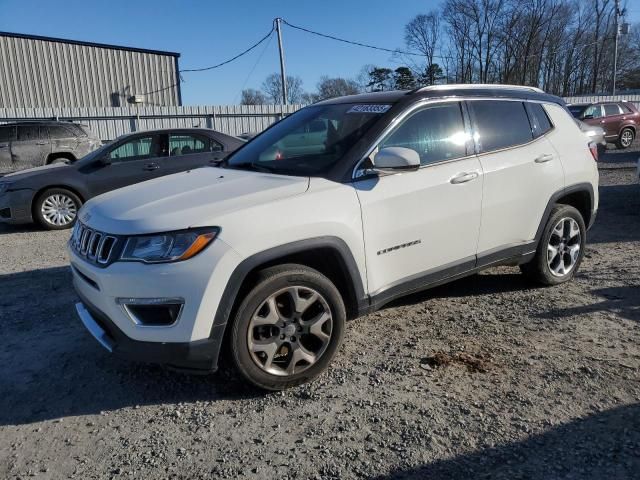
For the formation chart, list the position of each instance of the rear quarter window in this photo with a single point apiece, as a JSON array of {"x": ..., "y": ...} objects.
[
  {"x": 58, "y": 131},
  {"x": 540, "y": 123},
  {"x": 500, "y": 124}
]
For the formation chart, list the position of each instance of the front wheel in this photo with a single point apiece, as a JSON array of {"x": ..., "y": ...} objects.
[
  {"x": 561, "y": 248},
  {"x": 57, "y": 209},
  {"x": 288, "y": 328}
]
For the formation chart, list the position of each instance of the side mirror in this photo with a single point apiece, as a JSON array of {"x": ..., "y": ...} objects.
[
  {"x": 104, "y": 160},
  {"x": 396, "y": 159}
]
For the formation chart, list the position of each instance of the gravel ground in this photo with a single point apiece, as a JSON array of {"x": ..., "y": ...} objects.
[{"x": 483, "y": 378}]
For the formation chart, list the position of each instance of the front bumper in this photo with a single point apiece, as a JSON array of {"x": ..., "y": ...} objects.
[
  {"x": 192, "y": 341},
  {"x": 200, "y": 356},
  {"x": 15, "y": 207}
]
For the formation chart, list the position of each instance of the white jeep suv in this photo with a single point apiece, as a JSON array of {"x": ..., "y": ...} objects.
[{"x": 330, "y": 214}]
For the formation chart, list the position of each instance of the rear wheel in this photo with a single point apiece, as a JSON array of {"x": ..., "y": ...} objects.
[
  {"x": 626, "y": 138},
  {"x": 288, "y": 328},
  {"x": 57, "y": 209},
  {"x": 561, "y": 248}
]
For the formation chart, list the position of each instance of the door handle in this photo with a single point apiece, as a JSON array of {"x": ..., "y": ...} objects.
[
  {"x": 42, "y": 143},
  {"x": 151, "y": 166},
  {"x": 545, "y": 157},
  {"x": 464, "y": 177}
]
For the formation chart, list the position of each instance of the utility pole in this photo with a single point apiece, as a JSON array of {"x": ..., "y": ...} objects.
[
  {"x": 615, "y": 48},
  {"x": 283, "y": 75}
]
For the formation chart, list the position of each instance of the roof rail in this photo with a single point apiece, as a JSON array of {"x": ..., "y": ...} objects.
[{"x": 479, "y": 86}]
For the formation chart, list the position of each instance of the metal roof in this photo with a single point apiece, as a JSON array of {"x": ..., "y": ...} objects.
[{"x": 88, "y": 44}]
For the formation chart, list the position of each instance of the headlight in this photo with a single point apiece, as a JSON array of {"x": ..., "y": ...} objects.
[{"x": 168, "y": 247}]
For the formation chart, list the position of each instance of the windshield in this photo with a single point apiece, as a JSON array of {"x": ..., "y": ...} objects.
[
  {"x": 310, "y": 141},
  {"x": 576, "y": 110}
]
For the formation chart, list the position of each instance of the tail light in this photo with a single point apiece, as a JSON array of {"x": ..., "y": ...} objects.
[{"x": 594, "y": 150}]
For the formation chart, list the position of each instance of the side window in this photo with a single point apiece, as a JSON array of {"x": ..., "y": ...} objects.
[
  {"x": 187, "y": 144},
  {"x": 7, "y": 134},
  {"x": 58, "y": 131},
  {"x": 592, "y": 111},
  {"x": 437, "y": 133},
  {"x": 27, "y": 133},
  {"x": 540, "y": 123},
  {"x": 500, "y": 124},
  {"x": 611, "y": 109},
  {"x": 625, "y": 108},
  {"x": 137, "y": 149}
]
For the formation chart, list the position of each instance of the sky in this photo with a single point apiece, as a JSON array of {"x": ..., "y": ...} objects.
[{"x": 209, "y": 32}]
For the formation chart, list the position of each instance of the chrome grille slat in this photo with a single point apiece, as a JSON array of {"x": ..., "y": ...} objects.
[{"x": 94, "y": 246}]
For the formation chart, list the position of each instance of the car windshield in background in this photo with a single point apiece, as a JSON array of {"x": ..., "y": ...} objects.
[
  {"x": 576, "y": 110},
  {"x": 310, "y": 141}
]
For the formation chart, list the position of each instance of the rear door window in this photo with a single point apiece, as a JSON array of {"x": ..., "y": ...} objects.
[
  {"x": 500, "y": 124},
  {"x": 611, "y": 109},
  {"x": 28, "y": 133},
  {"x": 188, "y": 144}
]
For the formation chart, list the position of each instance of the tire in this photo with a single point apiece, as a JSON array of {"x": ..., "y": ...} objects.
[
  {"x": 56, "y": 209},
  {"x": 62, "y": 160},
  {"x": 547, "y": 268},
  {"x": 626, "y": 137},
  {"x": 269, "y": 334}
]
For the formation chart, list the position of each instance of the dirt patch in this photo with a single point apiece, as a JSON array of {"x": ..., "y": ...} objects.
[{"x": 474, "y": 363}]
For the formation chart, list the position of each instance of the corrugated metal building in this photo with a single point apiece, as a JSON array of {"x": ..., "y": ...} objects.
[{"x": 40, "y": 72}]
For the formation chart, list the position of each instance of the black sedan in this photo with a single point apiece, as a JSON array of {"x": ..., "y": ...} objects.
[{"x": 52, "y": 195}]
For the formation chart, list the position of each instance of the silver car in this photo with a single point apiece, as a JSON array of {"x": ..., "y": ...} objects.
[
  {"x": 34, "y": 144},
  {"x": 596, "y": 134}
]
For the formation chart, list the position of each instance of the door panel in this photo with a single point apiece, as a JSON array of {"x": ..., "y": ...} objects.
[
  {"x": 7, "y": 135},
  {"x": 31, "y": 146},
  {"x": 188, "y": 151},
  {"x": 419, "y": 221},
  {"x": 518, "y": 184},
  {"x": 132, "y": 161}
]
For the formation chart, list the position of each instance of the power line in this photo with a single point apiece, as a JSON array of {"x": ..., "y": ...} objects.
[
  {"x": 231, "y": 59},
  {"x": 360, "y": 44},
  {"x": 266, "y": 47}
]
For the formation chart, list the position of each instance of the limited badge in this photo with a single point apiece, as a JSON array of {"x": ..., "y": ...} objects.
[{"x": 369, "y": 109}]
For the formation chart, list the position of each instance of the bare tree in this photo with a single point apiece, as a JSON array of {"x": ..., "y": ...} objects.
[
  {"x": 272, "y": 88},
  {"x": 336, "y": 87},
  {"x": 421, "y": 35},
  {"x": 251, "y": 96}
]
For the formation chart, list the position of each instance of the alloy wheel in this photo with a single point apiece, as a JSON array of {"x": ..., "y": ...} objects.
[
  {"x": 59, "y": 209},
  {"x": 290, "y": 331},
  {"x": 626, "y": 138},
  {"x": 563, "y": 250}
]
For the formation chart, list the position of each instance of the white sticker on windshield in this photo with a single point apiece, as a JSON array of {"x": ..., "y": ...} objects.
[{"x": 369, "y": 109}]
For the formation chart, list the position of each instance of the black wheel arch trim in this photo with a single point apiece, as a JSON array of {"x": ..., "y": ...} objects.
[
  {"x": 239, "y": 275},
  {"x": 578, "y": 187}
]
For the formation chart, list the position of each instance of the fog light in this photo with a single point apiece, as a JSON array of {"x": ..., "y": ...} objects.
[{"x": 152, "y": 312}]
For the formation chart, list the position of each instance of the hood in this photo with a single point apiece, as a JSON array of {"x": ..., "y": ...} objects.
[
  {"x": 30, "y": 172},
  {"x": 184, "y": 200}
]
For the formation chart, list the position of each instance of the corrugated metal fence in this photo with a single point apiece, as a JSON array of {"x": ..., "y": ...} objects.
[
  {"x": 635, "y": 99},
  {"x": 110, "y": 122}
]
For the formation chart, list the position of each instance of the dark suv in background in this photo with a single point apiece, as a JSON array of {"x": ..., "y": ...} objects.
[
  {"x": 34, "y": 144},
  {"x": 619, "y": 120}
]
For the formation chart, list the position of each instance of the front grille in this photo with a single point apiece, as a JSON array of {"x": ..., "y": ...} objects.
[{"x": 94, "y": 246}]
